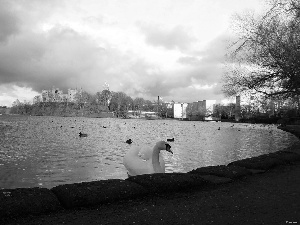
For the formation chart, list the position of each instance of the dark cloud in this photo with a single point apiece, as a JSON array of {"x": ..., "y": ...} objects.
[
  {"x": 65, "y": 58},
  {"x": 200, "y": 77},
  {"x": 57, "y": 58},
  {"x": 175, "y": 38},
  {"x": 163, "y": 84},
  {"x": 140, "y": 78},
  {"x": 206, "y": 68},
  {"x": 216, "y": 49},
  {"x": 9, "y": 22}
]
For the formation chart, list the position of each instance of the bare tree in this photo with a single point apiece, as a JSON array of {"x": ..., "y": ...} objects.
[{"x": 266, "y": 56}]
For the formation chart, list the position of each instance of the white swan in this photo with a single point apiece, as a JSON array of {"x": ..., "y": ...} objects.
[{"x": 146, "y": 160}]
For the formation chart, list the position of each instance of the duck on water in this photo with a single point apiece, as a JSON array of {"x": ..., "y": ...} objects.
[{"x": 82, "y": 134}]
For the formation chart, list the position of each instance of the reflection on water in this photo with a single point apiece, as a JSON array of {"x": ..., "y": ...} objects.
[{"x": 47, "y": 151}]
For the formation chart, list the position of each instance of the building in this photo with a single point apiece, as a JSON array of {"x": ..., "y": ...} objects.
[
  {"x": 56, "y": 95},
  {"x": 73, "y": 94},
  {"x": 53, "y": 95},
  {"x": 200, "y": 110},
  {"x": 45, "y": 96},
  {"x": 180, "y": 110}
]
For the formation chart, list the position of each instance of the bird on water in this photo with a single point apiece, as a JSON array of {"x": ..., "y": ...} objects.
[
  {"x": 146, "y": 160},
  {"x": 82, "y": 134}
]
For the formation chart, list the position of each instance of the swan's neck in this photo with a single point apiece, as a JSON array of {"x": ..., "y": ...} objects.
[{"x": 155, "y": 160}]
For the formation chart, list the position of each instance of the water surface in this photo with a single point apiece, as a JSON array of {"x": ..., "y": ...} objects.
[{"x": 47, "y": 151}]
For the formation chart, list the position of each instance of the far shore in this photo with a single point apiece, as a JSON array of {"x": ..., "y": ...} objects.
[{"x": 276, "y": 121}]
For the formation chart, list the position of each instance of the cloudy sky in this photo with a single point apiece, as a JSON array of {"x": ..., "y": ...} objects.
[{"x": 145, "y": 48}]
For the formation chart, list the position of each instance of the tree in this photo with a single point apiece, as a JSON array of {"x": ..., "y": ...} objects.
[
  {"x": 266, "y": 56},
  {"x": 138, "y": 104},
  {"x": 82, "y": 98},
  {"x": 164, "y": 110},
  {"x": 148, "y": 106},
  {"x": 105, "y": 97},
  {"x": 129, "y": 103},
  {"x": 16, "y": 102},
  {"x": 224, "y": 112},
  {"x": 119, "y": 103}
]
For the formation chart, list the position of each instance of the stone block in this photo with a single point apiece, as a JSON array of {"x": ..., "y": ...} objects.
[
  {"x": 96, "y": 192},
  {"x": 256, "y": 171},
  {"x": 262, "y": 162},
  {"x": 286, "y": 156},
  {"x": 27, "y": 201},
  {"x": 231, "y": 171},
  {"x": 295, "y": 148},
  {"x": 293, "y": 129},
  {"x": 216, "y": 179},
  {"x": 168, "y": 182}
]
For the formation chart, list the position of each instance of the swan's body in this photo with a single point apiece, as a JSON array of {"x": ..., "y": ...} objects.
[{"x": 146, "y": 160}]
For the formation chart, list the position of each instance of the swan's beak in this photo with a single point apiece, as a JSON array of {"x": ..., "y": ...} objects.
[{"x": 168, "y": 148}]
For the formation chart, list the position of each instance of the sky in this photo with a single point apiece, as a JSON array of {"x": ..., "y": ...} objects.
[{"x": 174, "y": 49}]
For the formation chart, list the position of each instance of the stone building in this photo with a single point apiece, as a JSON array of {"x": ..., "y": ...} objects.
[
  {"x": 73, "y": 94},
  {"x": 53, "y": 95},
  {"x": 57, "y": 95}
]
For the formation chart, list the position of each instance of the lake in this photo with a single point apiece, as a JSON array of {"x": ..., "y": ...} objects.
[{"x": 47, "y": 151}]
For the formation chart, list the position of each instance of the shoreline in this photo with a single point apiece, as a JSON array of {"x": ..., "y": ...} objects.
[
  {"x": 278, "y": 121},
  {"x": 23, "y": 202}
]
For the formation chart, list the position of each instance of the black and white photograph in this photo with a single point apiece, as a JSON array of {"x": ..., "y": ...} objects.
[{"x": 149, "y": 112}]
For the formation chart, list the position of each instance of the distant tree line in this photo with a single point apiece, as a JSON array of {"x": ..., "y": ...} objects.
[
  {"x": 86, "y": 104},
  {"x": 3, "y": 109}
]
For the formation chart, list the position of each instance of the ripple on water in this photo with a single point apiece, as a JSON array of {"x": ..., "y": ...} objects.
[{"x": 47, "y": 151}]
